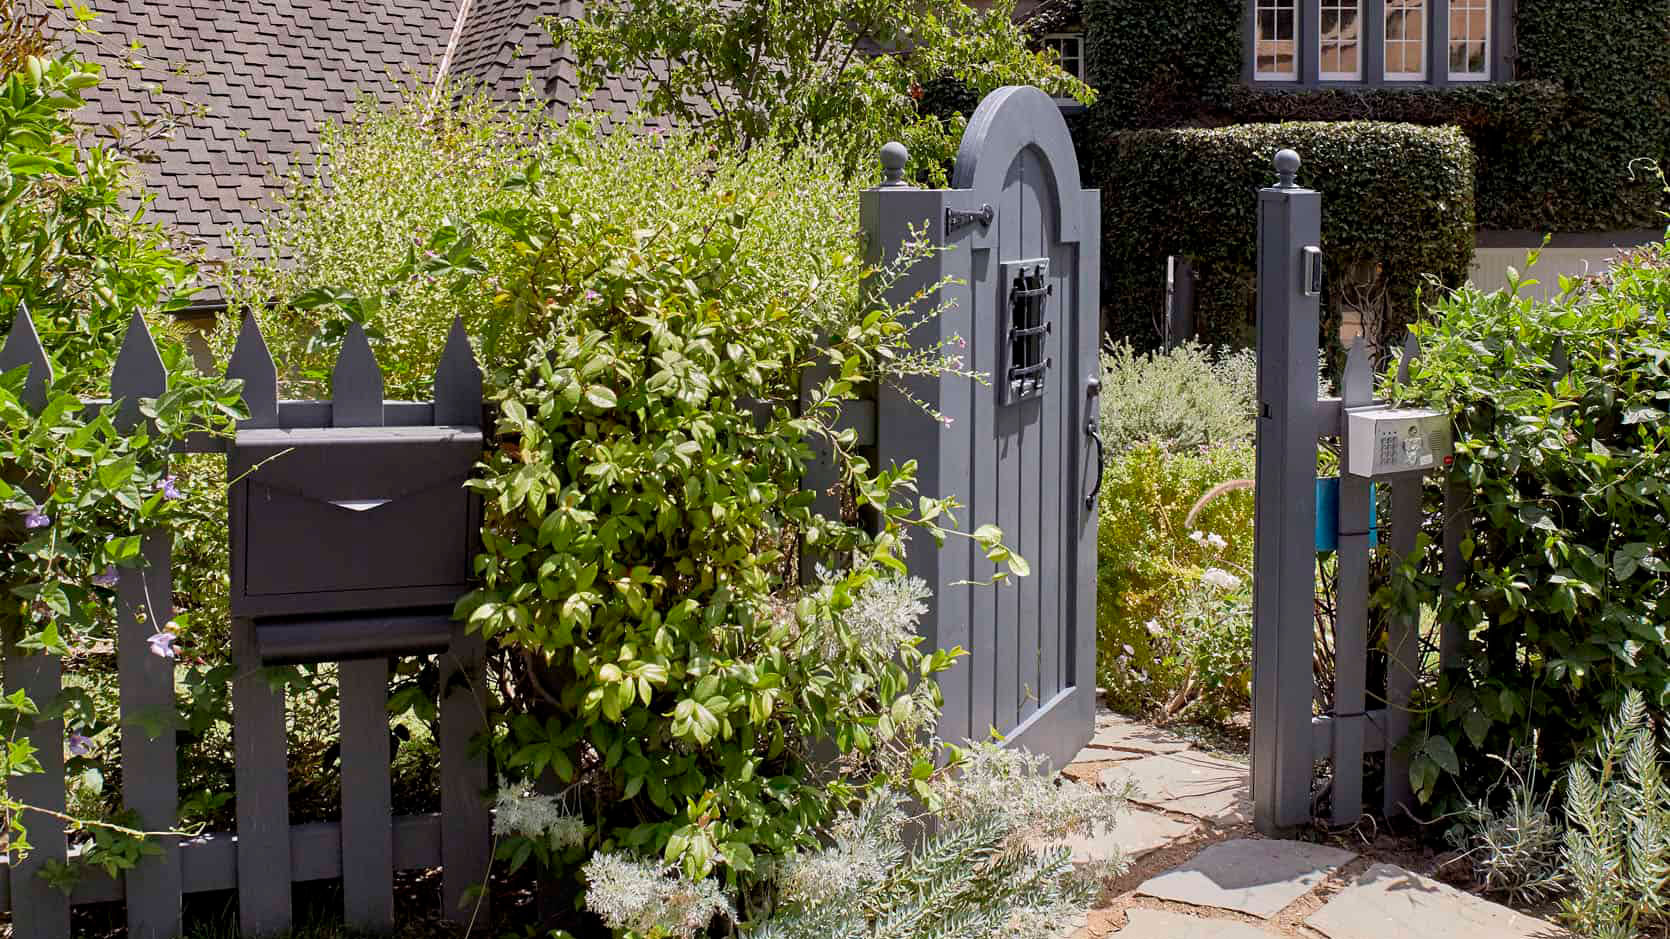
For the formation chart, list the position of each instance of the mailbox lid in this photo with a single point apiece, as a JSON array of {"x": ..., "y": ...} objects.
[{"x": 338, "y": 519}]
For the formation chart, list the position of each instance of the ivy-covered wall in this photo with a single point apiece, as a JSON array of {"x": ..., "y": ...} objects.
[{"x": 1551, "y": 151}]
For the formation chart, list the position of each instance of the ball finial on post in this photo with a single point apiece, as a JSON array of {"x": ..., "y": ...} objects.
[
  {"x": 894, "y": 156},
  {"x": 1287, "y": 169}
]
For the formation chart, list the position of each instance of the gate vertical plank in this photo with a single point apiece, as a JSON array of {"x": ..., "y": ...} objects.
[
  {"x": 367, "y": 801},
  {"x": 458, "y": 381},
  {"x": 252, "y": 363},
  {"x": 263, "y": 786},
  {"x": 150, "y": 773},
  {"x": 38, "y": 908},
  {"x": 356, "y": 383},
  {"x": 1053, "y": 512},
  {"x": 821, "y": 475},
  {"x": 1010, "y": 481},
  {"x": 465, "y": 822},
  {"x": 23, "y": 347},
  {"x": 1356, "y": 500},
  {"x": 1284, "y": 581},
  {"x": 1082, "y": 514},
  {"x": 1403, "y": 640},
  {"x": 984, "y": 356}
]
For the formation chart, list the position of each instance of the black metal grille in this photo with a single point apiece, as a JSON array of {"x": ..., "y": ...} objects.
[{"x": 1028, "y": 329}]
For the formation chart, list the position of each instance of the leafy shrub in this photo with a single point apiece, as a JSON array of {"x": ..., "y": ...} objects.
[
  {"x": 1397, "y": 206},
  {"x": 1561, "y": 428},
  {"x": 1181, "y": 399},
  {"x": 386, "y": 234},
  {"x": 1617, "y": 845},
  {"x": 639, "y": 508},
  {"x": 1157, "y": 622},
  {"x": 987, "y": 863},
  {"x": 844, "y": 78}
]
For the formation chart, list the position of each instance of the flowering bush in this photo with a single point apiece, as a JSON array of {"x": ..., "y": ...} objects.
[{"x": 78, "y": 489}]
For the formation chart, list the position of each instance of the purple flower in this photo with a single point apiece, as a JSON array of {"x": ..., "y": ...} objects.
[
  {"x": 170, "y": 491},
  {"x": 36, "y": 519},
  {"x": 79, "y": 745},
  {"x": 162, "y": 644},
  {"x": 107, "y": 579},
  {"x": 592, "y": 295}
]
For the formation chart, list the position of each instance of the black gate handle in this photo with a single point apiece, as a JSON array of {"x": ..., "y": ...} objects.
[{"x": 1093, "y": 391}]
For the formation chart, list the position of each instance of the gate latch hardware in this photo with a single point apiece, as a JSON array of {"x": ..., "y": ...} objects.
[{"x": 960, "y": 218}]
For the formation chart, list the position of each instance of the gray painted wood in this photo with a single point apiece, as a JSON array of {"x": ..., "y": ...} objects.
[
  {"x": 252, "y": 363},
  {"x": 1322, "y": 734},
  {"x": 1403, "y": 637},
  {"x": 263, "y": 792},
  {"x": 356, "y": 383},
  {"x": 1458, "y": 514},
  {"x": 821, "y": 476},
  {"x": 465, "y": 836},
  {"x": 1289, "y": 218},
  {"x": 23, "y": 347},
  {"x": 457, "y": 381},
  {"x": 367, "y": 803},
  {"x": 150, "y": 775},
  {"x": 1055, "y": 445},
  {"x": 38, "y": 908},
  {"x": 1356, "y": 498},
  {"x": 1017, "y": 152},
  {"x": 139, "y": 373}
]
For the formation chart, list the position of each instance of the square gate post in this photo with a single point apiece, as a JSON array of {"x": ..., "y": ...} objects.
[{"x": 1284, "y": 561}]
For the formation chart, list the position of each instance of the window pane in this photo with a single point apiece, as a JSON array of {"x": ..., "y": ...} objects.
[
  {"x": 1406, "y": 39},
  {"x": 1469, "y": 52},
  {"x": 1276, "y": 24},
  {"x": 1338, "y": 36}
]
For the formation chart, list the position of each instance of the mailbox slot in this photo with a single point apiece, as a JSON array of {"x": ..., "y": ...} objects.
[{"x": 351, "y": 520}]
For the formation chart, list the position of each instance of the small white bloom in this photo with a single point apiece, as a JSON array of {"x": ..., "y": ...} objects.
[
  {"x": 1129, "y": 650},
  {"x": 1216, "y": 540},
  {"x": 1220, "y": 578},
  {"x": 1198, "y": 537},
  {"x": 1153, "y": 627}
]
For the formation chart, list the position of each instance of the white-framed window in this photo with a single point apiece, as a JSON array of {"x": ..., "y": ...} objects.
[
  {"x": 1070, "y": 48},
  {"x": 1405, "y": 42},
  {"x": 1340, "y": 40},
  {"x": 1469, "y": 52},
  {"x": 1276, "y": 40}
]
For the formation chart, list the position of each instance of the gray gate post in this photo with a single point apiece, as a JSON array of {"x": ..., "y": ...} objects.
[{"x": 1284, "y": 564}]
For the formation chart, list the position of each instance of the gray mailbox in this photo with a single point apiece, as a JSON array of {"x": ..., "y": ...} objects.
[{"x": 352, "y": 529}]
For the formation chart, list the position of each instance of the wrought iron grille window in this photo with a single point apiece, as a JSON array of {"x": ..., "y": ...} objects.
[{"x": 1028, "y": 327}]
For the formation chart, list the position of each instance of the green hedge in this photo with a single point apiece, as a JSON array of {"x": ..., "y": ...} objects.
[
  {"x": 1553, "y": 149},
  {"x": 1394, "y": 195}
]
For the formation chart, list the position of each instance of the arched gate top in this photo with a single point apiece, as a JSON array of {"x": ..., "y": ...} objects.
[{"x": 1008, "y": 121}]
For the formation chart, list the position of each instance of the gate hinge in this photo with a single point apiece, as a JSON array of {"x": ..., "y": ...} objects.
[{"x": 960, "y": 218}]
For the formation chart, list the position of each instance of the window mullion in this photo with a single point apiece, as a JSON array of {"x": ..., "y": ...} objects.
[
  {"x": 1438, "y": 42},
  {"x": 1374, "y": 41},
  {"x": 1310, "y": 41}
]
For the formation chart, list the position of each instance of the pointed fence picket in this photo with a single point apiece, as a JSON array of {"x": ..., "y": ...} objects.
[{"x": 266, "y": 854}]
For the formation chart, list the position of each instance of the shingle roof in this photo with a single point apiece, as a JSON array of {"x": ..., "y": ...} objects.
[{"x": 268, "y": 72}]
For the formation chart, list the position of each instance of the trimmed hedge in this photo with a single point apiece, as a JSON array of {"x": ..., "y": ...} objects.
[
  {"x": 1398, "y": 197},
  {"x": 1553, "y": 149}
]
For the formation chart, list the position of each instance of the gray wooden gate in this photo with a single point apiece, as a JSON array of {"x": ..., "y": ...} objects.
[{"x": 1022, "y": 240}]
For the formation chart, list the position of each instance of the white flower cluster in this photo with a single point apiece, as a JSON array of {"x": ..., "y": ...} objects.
[
  {"x": 1213, "y": 540},
  {"x": 647, "y": 898},
  {"x": 531, "y": 815},
  {"x": 863, "y": 848},
  {"x": 1220, "y": 578}
]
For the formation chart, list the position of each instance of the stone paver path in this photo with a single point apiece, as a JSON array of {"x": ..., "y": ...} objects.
[{"x": 1220, "y": 880}]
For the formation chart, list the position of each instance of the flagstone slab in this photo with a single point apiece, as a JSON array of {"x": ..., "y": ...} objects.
[
  {"x": 1164, "y": 924},
  {"x": 1250, "y": 876},
  {"x": 1390, "y": 901},
  {"x": 1135, "y": 833},
  {"x": 1191, "y": 783},
  {"x": 1103, "y": 755},
  {"x": 1117, "y": 733}
]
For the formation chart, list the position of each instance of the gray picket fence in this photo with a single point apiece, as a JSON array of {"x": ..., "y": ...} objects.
[
  {"x": 1021, "y": 273},
  {"x": 1291, "y": 733},
  {"x": 267, "y": 854}
]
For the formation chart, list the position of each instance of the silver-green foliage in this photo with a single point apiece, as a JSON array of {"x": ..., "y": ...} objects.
[
  {"x": 1617, "y": 844},
  {"x": 1190, "y": 397},
  {"x": 1514, "y": 849},
  {"x": 987, "y": 862}
]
